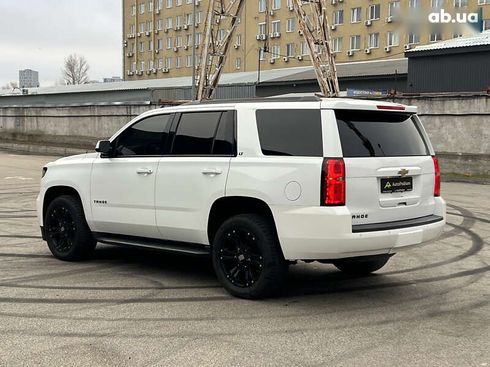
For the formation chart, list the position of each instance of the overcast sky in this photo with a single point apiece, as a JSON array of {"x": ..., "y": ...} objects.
[{"x": 39, "y": 34}]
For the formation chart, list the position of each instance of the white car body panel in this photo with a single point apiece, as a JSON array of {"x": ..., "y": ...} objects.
[{"x": 174, "y": 202}]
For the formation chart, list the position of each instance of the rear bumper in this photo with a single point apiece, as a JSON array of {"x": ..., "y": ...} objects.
[{"x": 324, "y": 233}]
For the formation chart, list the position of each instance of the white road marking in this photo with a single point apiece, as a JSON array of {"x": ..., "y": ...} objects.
[{"x": 18, "y": 178}]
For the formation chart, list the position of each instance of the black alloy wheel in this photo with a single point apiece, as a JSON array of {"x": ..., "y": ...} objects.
[
  {"x": 67, "y": 233},
  {"x": 247, "y": 257}
]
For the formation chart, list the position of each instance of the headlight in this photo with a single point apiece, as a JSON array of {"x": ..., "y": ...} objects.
[{"x": 45, "y": 169}]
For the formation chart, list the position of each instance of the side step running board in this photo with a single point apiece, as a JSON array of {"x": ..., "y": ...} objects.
[{"x": 163, "y": 245}]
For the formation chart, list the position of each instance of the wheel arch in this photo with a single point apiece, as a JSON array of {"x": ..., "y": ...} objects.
[
  {"x": 55, "y": 191},
  {"x": 228, "y": 206}
]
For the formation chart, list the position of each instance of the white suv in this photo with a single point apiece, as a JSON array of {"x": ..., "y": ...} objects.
[{"x": 257, "y": 184}]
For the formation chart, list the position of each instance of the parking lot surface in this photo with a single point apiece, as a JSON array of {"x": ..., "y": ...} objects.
[{"x": 428, "y": 307}]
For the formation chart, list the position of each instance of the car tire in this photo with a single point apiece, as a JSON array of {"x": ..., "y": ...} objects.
[
  {"x": 362, "y": 265},
  {"x": 247, "y": 257},
  {"x": 68, "y": 236}
]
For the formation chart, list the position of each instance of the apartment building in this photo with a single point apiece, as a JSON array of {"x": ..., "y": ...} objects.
[
  {"x": 28, "y": 78},
  {"x": 157, "y": 34}
]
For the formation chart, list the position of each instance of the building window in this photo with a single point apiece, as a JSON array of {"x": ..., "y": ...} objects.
[
  {"x": 159, "y": 24},
  {"x": 355, "y": 43},
  {"x": 337, "y": 44},
  {"x": 275, "y": 51},
  {"x": 168, "y": 23},
  {"x": 304, "y": 49},
  {"x": 133, "y": 10},
  {"x": 132, "y": 28},
  {"x": 178, "y": 21},
  {"x": 261, "y": 54},
  {"x": 133, "y": 67},
  {"x": 142, "y": 47},
  {"x": 276, "y": 4},
  {"x": 290, "y": 49},
  {"x": 355, "y": 15},
  {"x": 238, "y": 63},
  {"x": 188, "y": 61},
  {"x": 290, "y": 24},
  {"x": 169, "y": 43},
  {"x": 150, "y": 7},
  {"x": 393, "y": 8},
  {"x": 142, "y": 66},
  {"x": 436, "y": 4},
  {"x": 151, "y": 64},
  {"x": 159, "y": 4},
  {"x": 198, "y": 38},
  {"x": 238, "y": 40},
  {"x": 150, "y": 45},
  {"x": 142, "y": 8},
  {"x": 460, "y": 3},
  {"x": 262, "y": 6},
  {"x": 276, "y": 26},
  {"x": 178, "y": 41},
  {"x": 374, "y": 11},
  {"x": 483, "y": 2},
  {"x": 142, "y": 27},
  {"x": 393, "y": 39},
  {"x": 414, "y": 4},
  {"x": 262, "y": 28},
  {"x": 373, "y": 40},
  {"x": 169, "y": 3},
  {"x": 168, "y": 62},
  {"x": 159, "y": 44},
  {"x": 178, "y": 62},
  {"x": 149, "y": 26},
  {"x": 413, "y": 38},
  {"x": 198, "y": 17},
  {"x": 338, "y": 17},
  {"x": 435, "y": 37},
  {"x": 221, "y": 35},
  {"x": 178, "y": 2},
  {"x": 486, "y": 24},
  {"x": 188, "y": 19},
  {"x": 188, "y": 40}
]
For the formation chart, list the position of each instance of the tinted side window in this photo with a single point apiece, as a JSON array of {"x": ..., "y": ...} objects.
[
  {"x": 146, "y": 137},
  {"x": 379, "y": 134},
  {"x": 290, "y": 132},
  {"x": 195, "y": 133},
  {"x": 224, "y": 143}
]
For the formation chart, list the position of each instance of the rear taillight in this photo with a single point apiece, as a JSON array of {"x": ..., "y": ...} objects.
[
  {"x": 437, "y": 177},
  {"x": 333, "y": 182}
]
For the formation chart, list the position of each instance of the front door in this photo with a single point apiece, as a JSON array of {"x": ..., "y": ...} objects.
[{"x": 123, "y": 186}]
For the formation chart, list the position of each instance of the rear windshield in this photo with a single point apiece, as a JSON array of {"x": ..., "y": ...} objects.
[
  {"x": 290, "y": 132},
  {"x": 379, "y": 134}
]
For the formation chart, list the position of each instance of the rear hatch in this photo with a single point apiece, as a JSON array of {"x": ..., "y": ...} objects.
[{"x": 389, "y": 171}]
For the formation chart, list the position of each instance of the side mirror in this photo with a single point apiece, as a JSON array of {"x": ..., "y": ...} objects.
[{"x": 104, "y": 147}]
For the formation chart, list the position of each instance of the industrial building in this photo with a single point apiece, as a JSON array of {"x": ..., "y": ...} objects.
[
  {"x": 157, "y": 34},
  {"x": 457, "y": 65}
]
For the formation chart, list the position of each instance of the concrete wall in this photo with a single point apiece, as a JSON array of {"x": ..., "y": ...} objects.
[
  {"x": 459, "y": 127},
  {"x": 75, "y": 127}
]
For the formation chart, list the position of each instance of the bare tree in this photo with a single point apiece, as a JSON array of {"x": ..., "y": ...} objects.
[
  {"x": 10, "y": 86},
  {"x": 75, "y": 70}
]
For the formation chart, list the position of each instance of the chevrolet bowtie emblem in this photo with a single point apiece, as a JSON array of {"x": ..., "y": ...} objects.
[{"x": 403, "y": 172}]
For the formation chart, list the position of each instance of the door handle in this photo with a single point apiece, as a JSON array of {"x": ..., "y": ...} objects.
[
  {"x": 144, "y": 171},
  {"x": 211, "y": 171}
]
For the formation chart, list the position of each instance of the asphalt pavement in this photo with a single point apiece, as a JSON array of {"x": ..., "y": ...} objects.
[{"x": 428, "y": 307}]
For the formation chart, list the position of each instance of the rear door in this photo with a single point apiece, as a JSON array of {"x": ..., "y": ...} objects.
[
  {"x": 389, "y": 169},
  {"x": 193, "y": 175}
]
